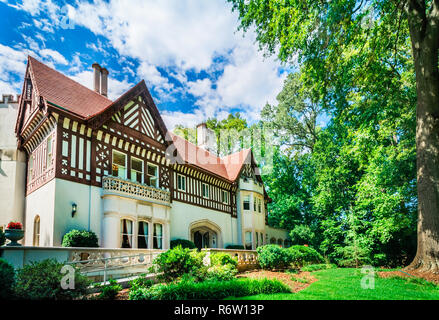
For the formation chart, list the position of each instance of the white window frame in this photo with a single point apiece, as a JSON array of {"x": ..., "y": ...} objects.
[
  {"x": 182, "y": 178},
  {"x": 156, "y": 176},
  {"x": 244, "y": 201},
  {"x": 225, "y": 196},
  {"x": 143, "y": 235},
  {"x": 158, "y": 238},
  {"x": 142, "y": 172},
  {"x": 130, "y": 235},
  {"x": 112, "y": 163},
  {"x": 205, "y": 187}
]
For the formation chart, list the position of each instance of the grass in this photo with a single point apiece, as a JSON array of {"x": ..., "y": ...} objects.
[{"x": 345, "y": 284}]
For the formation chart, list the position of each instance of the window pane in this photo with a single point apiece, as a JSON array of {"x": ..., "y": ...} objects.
[
  {"x": 126, "y": 227},
  {"x": 142, "y": 239},
  {"x": 152, "y": 170},
  {"x": 119, "y": 159},
  {"x": 136, "y": 164}
]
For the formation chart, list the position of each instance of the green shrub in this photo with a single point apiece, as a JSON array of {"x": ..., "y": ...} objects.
[
  {"x": 42, "y": 281},
  {"x": 272, "y": 256},
  {"x": 176, "y": 262},
  {"x": 316, "y": 267},
  {"x": 300, "y": 256},
  {"x": 7, "y": 278},
  {"x": 141, "y": 282},
  {"x": 78, "y": 238},
  {"x": 221, "y": 258},
  {"x": 207, "y": 290},
  {"x": 109, "y": 291},
  {"x": 2, "y": 238},
  {"x": 224, "y": 272},
  {"x": 183, "y": 243},
  {"x": 235, "y": 246}
]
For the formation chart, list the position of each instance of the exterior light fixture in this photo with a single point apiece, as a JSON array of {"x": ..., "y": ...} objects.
[{"x": 74, "y": 208}]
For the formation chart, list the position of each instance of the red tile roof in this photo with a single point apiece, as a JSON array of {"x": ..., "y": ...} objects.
[
  {"x": 227, "y": 167},
  {"x": 64, "y": 92}
]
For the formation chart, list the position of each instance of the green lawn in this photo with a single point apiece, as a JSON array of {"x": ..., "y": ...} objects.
[{"x": 345, "y": 284}]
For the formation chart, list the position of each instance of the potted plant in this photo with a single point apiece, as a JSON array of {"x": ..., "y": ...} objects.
[{"x": 14, "y": 232}]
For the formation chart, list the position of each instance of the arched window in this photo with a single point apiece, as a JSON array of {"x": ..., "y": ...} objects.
[
  {"x": 126, "y": 233},
  {"x": 36, "y": 241},
  {"x": 273, "y": 241},
  {"x": 142, "y": 236}
]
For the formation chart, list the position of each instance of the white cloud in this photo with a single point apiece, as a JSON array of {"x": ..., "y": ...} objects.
[
  {"x": 53, "y": 55},
  {"x": 175, "y": 36}
]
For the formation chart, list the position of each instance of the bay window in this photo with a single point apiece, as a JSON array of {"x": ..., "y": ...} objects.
[
  {"x": 142, "y": 235},
  {"x": 158, "y": 236},
  {"x": 126, "y": 233}
]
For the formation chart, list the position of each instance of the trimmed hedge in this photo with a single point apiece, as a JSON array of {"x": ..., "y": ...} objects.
[
  {"x": 80, "y": 238},
  {"x": 209, "y": 290},
  {"x": 273, "y": 256},
  {"x": 183, "y": 243},
  {"x": 7, "y": 279}
]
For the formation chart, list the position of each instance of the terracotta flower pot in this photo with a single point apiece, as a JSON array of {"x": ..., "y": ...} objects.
[{"x": 14, "y": 235}]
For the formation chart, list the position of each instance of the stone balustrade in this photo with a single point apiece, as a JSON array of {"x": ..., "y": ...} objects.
[
  {"x": 247, "y": 259},
  {"x": 118, "y": 186}
]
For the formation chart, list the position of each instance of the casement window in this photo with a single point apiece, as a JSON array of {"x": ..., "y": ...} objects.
[
  {"x": 126, "y": 233},
  {"x": 261, "y": 237},
  {"x": 246, "y": 202},
  {"x": 36, "y": 240},
  {"x": 254, "y": 204},
  {"x": 257, "y": 239},
  {"x": 119, "y": 164},
  {"x": 136, "y": 170},
  {"x": 225, "y": 196},
  {"x": 248, "y": 240},
  {"x": 49, "y": 152},
  {"x": 205, "y": 190},
  {"x": 259, "y": 205},
  {"x": 158, "y": 236},
  {"x": 152, "y": 175},
  {"x": 142, "y": 235},
  {"x": 181, "y": 182}
]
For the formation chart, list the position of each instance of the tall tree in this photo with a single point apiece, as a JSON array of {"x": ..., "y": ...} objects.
[{"x": 321, "y": 34}]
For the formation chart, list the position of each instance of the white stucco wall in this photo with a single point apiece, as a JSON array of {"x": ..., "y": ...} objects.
[
  {"x": 276, "y": 233},
  {"x": 12, "y": 168},
  {"x": 89, "y": 209},
  {"x": 183, "y": 215},
  {"x": 41, "y": 202}
]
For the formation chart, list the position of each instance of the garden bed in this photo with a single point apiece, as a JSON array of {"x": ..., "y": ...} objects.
[
  {"x": 296, "y": 282},
  {"x": 428, "y": 276}
]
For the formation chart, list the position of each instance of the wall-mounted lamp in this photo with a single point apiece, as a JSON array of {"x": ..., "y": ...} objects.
[{"x": 74, "y": 207}]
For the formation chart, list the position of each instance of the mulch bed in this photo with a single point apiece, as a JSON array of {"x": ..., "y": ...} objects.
[
  {"x": 286, "y": 278},
  {"x": 429, "y": 276}
]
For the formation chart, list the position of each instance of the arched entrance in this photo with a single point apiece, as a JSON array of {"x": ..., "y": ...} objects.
[{"x": 205, "y": 234}]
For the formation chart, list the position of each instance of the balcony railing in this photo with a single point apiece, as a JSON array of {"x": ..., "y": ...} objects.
[{"x": 136, "y": 190}]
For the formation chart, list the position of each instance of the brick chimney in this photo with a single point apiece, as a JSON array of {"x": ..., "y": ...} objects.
[
  {"x": 96, "y": 77},
  {"x": 104, "y": 82}
]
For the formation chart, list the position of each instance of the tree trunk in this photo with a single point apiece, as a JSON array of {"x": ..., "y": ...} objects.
[{"x": 425, "y": 54}]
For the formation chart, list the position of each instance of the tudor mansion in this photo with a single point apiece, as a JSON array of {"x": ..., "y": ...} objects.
[{"x": 70, "y": 158}]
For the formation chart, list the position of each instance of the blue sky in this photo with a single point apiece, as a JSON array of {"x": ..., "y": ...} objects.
[{"x": 194, "y": 61}]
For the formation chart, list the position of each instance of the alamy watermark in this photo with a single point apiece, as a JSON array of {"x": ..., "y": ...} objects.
[{"x": 368, "y": 280}]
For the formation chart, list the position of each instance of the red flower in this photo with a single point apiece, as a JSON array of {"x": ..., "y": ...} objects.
[
  {"x": 305, "y": 245},
  {"x": 14, "y": 225}
]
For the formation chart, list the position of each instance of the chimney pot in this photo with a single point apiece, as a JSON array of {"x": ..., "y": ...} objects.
[{"x": 205, "y": 137}]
